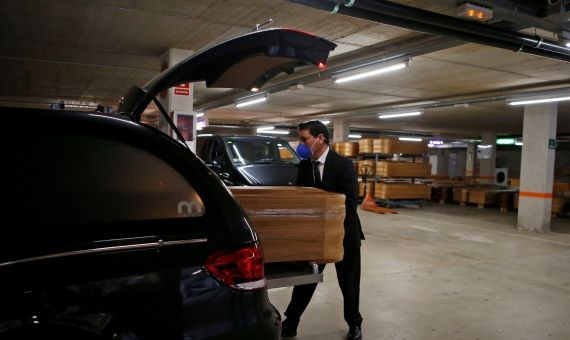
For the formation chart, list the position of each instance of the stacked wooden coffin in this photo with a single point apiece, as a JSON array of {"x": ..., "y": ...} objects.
[
  {"x": 365, "y": 146},
  {"x": 393, "y": 191},
  {"x": 482, "y": 197},
  {"x": 557, "y": 186},
  {"x": 461, "y": 194},
  {"x": 402, "y": 169},
  {"x": 295, "y": 223},
  {"x": 392, "y": 146},
  {"x": 347, "y": 149}
]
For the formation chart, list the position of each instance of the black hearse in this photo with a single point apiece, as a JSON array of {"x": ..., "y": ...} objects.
[{"x": 114, "y": 230}]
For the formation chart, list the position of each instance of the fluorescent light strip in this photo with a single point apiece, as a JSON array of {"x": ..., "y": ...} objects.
[
  {"x": 201, "y": 114},
  {"x": 271, "y": 130},
  {"x": 410, "y": 139},
  {"x": 275, "y": 132},
  {"x": 396, "y": 115},
  {"x": 355, "y": 136},
  {"x": 371, "y": 73},
  {"x": 250, "y": 102},
  {"x": 326, "y": 122},
  {"x": 539, "y": 101}
]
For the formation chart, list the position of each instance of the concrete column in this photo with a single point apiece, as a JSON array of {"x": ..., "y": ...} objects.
[
  {"x": 487, "y": 166},
  {"x": 537, "y": 167},
  {"x": 178, "y": 101},
  {"x": 470, "y": 160},
  {"x": 341, "y": 130}
]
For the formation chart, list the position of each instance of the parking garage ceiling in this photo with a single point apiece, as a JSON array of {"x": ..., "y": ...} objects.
[{"x": 89, "y": 52}]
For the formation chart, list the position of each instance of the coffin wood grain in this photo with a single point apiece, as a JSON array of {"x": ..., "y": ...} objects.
[
  {"x": 295, "y": 223},
  {"x": 388, "y": 191}
]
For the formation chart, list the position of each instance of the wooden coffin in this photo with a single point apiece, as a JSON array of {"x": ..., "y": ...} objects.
[
  {"x": 560, "y": 187},
  {"x": 461, "y": 194},
  {"x": 365, "y": 145},
  {"x": 482, "y": 196},
  {"x": 335, "y": 147},
  {"x": 402, "y": 169},
  {"x": 389, "y": 191},
  {"x": 556, "y": 186},
  {"x": 558, "y": 203},
  {"x": 295, "y": 223},
  {"x": 514, "y": 182},
  {"x": 392, "y": 145},
  {"x": 347, "y": 149}
]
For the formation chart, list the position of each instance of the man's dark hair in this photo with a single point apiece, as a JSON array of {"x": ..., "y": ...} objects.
[{"x": 316, "y": 128}]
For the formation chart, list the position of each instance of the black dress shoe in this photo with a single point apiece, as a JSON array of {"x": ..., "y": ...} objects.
[
  {"x": 354, "y": 333},
  {"x": 289, "y": 328}
]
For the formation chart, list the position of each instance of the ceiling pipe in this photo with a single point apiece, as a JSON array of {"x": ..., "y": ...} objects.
[{"x": 391, "y": 13}]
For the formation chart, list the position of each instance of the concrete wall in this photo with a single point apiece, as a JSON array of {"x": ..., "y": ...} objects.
[{"x": 445, "y": 166}]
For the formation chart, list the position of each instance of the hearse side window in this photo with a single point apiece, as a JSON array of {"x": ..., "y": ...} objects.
[{"x": 91, "y": 179}]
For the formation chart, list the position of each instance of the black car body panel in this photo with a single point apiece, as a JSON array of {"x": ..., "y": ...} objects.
[{"x": 142, "y": 279}]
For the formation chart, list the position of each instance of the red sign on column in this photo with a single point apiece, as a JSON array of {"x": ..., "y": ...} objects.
[{"x": 182, "y": 89}]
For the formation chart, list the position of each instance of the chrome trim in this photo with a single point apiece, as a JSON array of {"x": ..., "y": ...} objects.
[
  {"x": 150, "y": 245},
  {"x": 175, "y": 243}
]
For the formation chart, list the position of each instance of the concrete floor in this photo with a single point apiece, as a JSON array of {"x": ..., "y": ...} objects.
[{"x": 450, "y": 272}]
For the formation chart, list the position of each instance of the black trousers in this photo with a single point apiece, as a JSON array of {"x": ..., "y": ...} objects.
[{"x": 348, "y": 275}]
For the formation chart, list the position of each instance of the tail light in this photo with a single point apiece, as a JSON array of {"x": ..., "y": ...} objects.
[{"x": 240, "y": 269}]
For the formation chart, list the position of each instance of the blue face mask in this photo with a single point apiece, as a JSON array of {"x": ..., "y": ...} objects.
[{"x": 303, "y": 151}]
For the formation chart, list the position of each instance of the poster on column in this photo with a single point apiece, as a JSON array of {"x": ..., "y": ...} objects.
[{"x": 185, "y": 122}]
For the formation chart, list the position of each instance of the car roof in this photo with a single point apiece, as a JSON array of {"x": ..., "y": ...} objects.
[{"x": 250, "y": 137}]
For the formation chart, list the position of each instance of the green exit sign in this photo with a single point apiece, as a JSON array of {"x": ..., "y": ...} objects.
[
  {"x": 506, "y": 141},
  {"x": 552, "y": 143}
]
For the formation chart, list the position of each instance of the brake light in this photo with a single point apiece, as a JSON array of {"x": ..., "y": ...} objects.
[
  {"x": 240, "y": 269},
  {"x": 322, "y": 65}
]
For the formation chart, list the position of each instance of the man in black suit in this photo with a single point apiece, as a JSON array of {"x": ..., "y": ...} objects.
[{"x": 329, "y": 171}]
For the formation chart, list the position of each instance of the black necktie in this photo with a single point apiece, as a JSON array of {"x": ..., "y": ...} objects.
[{"x": 317, "y": 174}]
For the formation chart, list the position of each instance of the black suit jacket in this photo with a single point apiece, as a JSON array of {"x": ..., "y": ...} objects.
[{"x": 338, "y": 176}]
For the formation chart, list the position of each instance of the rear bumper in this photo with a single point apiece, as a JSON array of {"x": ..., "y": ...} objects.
[{"x": 250, "y": 316}]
